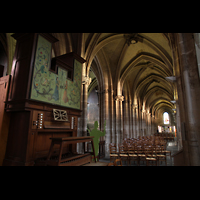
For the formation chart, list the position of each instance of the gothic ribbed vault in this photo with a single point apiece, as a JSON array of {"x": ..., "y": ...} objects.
[{"x": 137, "y": 70}]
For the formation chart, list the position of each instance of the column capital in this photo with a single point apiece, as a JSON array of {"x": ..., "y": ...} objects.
[
  {"x": 119, "y": 98},
  {"x": 134, "y": 106}
]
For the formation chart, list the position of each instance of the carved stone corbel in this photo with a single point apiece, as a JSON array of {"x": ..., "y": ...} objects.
[{"x": 86, "y": 80}]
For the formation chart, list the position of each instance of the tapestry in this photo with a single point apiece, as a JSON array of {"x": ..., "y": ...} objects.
[{"x": 54, "y": 88}]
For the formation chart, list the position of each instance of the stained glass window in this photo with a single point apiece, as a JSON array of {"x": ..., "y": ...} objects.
[{"x": 166, "y": 118}]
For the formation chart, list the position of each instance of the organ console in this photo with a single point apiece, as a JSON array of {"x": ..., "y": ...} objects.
[{"x": 33, "y": 122}]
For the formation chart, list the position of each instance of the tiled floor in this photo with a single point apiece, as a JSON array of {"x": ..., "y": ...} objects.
[{"x": 171, "y": 146}]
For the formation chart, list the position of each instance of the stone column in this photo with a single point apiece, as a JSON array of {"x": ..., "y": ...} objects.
[
  {"x": 140, "y": 121},
  {"x": 131, "y": 119},
  {"x": 119, "y": 119},
  {"x": 82, "y": 130},
  {"x": 178, "y": 125},
  {"x": 136, "y": 123},
  {"x": 101, "y": 111},
  {"x": 126, "y": 119},
  {"x": 112, "y": 115},
  {"x": 107, "y": 109},
  {"x": 191, "y": 84},
  {"x": 134, "y": 120},
  {"x": 153, "y": 125},
  {"x": 85, "y": 83},
  {"x": 143, "y": 122},
  {"x": 148, "y": 124}
]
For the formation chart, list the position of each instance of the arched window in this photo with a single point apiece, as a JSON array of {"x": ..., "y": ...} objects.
[{"x": 166, "y": 118}]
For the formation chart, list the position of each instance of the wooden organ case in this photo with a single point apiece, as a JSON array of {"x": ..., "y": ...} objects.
[{"x": 32, "y": 121}]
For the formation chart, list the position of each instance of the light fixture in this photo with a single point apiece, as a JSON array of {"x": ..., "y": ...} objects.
[
  {"x": 171, "y": 78},
  {"x": 173, "y": 101},
  {"x": 174, "y": 110},
  {"x": 133, "y": 40}
]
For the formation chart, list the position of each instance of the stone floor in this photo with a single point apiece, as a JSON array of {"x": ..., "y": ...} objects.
[{"x": 171, "y": 146}]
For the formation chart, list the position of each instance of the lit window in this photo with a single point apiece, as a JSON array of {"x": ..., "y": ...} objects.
[
  {"x": 159, "y": 129},
  {"x": 166, "y": 118}
]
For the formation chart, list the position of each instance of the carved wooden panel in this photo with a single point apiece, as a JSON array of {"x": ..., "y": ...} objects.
[{"x": 60, "y": 115}]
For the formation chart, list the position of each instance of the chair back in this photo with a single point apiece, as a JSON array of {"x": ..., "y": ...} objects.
[
  {"x": 123, "y": 148},
  {"x": 112, "y": 148}
]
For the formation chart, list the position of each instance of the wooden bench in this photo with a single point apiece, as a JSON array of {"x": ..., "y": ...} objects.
[{"x": 68, "y": 159}]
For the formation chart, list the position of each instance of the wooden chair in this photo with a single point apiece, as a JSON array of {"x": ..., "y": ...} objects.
[
  {"x": 171, "y": 136},
  {"x": 116, "y": 162},
  {"x": 152, "y": 137},
  {"x": 141, "y": 154},
  {"x": 150, "y": 155},
  {"x": 123, "y": 152},
  {"x": 110, "y": 164},
  {"x": 113, "y": 151},
  {"x": 132, "y": 153},
  {"x": 157, "y": 142},
  {"x": 160, "y": 154}
]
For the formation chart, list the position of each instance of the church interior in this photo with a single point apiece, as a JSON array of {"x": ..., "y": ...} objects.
[{"x": 55, "y": 86}]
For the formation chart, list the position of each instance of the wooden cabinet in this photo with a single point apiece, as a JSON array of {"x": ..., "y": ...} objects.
[{"x": 28, "y": 138}]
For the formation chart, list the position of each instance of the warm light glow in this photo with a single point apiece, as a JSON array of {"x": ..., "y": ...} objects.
[
  {"x": 159, "y": 129},
  {"x": 175, "y": 130},
  {"x": 166, "y": 118}
]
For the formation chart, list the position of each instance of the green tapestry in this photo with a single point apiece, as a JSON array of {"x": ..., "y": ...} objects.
[{"x": 54, "y": 88}]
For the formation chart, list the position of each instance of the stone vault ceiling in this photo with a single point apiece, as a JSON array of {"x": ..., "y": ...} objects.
[
  {"x": 137, "y": 64},
  {"x": 141, "y": 67}
]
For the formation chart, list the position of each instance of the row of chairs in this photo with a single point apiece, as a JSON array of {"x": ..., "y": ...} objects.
[
  {"x": 166, "y": 136},
  {"x": 145, "y": 140},
  {"x": 152, "y": 154}
]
